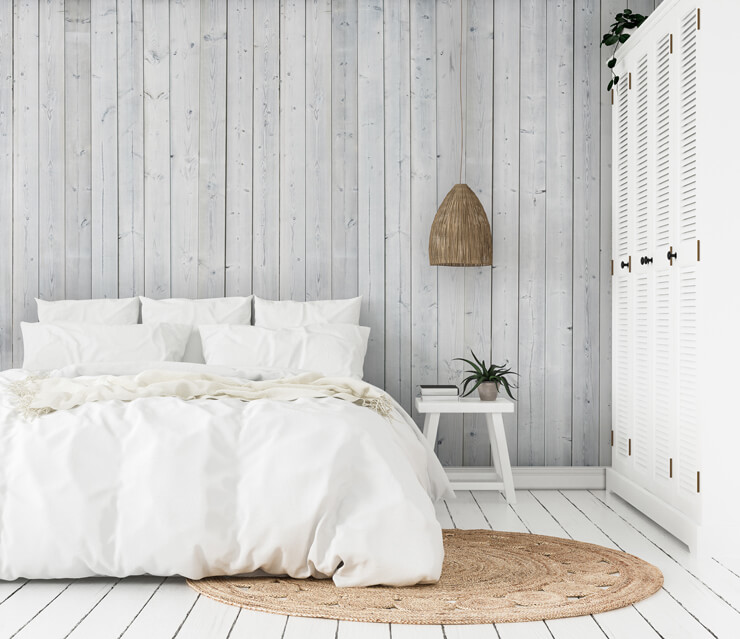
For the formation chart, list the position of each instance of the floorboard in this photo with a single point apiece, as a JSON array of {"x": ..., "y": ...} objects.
[{"x": 700, "y": 600}]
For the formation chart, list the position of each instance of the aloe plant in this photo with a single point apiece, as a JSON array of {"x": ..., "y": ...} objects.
[{"x": 482, "y": 373}]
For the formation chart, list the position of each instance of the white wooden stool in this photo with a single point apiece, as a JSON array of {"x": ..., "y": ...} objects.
[{"x": 501, "y": 479}]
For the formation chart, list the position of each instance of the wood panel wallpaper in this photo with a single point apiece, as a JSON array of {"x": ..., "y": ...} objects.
[{"x": 299, "y": 150}]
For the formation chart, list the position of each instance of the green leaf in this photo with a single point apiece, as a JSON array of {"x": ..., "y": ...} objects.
[
  {"x": 507, "y": 388},
  {"x": 467, "y": 361},
  {"x": 627, "y": 11},
  {"x": 611, "y": 63},
  {"x": 616, "y": 80},
  {"x": 611, "y": 39},
  {"x": 624, "y": 37},
  {"x": 478, "y": 383}
]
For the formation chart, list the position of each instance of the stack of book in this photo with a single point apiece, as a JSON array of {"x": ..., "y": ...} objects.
[{"x": 438, "y": 392}]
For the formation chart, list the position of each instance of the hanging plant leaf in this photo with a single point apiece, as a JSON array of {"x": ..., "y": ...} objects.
[
  {"x": 623, "y": 21},
  {"x": 611, "y": 63}
]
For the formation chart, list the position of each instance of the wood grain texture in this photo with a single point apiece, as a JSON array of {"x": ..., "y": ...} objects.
[
  {"x": 300, "y": 149},
  {"x": 559, "y": 235},
  {"x": 318, "y": 150},
  {"x": 292, "y": 150},
  {"x": 25, "y": 167},
  {"x": 157, "y": 279},
  {"x": 587, "y": 92},
  {"x": 371, "y": 248},
  {"x": 266, "y": 151},
  {"x": 77, "y": 139},
  {"x": 185, "y": 46},
  {"x": 423, "y": 45},
  {"x": 479, "y": 177},
  {"x": 52, "y": 150},
  {"x": 344, "y": 280},
  {"x": 532, "y": 233},
  {"x": 104, "y": 148},
  {"x": 212, "y": 166},
  {"x": 6, "y": 186},
  {"x": 505, "y": 219},
  {"x": 239, "y": 88},
  {"x": 450, "y": 281},
  {"x": 130, "y": 148},
  {"x": 397, "y": 202}
]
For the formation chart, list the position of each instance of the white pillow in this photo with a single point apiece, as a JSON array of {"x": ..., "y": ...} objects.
[
  {"x": 288, "y": 314},
  {"x": 51, "y": 346},
  {"x": 334, "y": 350},
  {"x": 102, "y": 311},
  {"x": 218, "y": 310}
]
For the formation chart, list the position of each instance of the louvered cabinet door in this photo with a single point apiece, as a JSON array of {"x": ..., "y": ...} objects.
[
  {"x": 642, "y": 178},
  {"x": 641, "y": 444},
  {"x": 622, "y": 232},
  {"x": 622, "y": 381},
  {"x": 688, "y": 265}
]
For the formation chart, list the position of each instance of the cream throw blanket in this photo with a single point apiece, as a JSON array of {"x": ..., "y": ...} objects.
[{"x": 38, "y": 395}]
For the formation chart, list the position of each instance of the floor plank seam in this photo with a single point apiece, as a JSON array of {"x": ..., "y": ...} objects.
[
  {"x": 285, "y": 625},
  {"x": 671, "y": 557},
  {"x": 228, "y": 636},
  {"x": 730, "y": 570},
  {"x": 59, "y": 594},
  {"x": 182, "y": 623},
  {"x": 97, "y": 603},
  {"x": 622, "y": 549},
  {"x": 488, "y": 523},
  {"x": 146, "y": 603},
  {"x": 12, "y": 593}
]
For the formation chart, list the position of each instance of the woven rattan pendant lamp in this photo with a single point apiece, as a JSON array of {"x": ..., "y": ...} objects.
[{"x": 461, "y": 234}]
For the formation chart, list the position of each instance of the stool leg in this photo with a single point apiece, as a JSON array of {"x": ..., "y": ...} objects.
[
  {"x": 500, "y": 454},
  {"x": 431, "y": 424}
]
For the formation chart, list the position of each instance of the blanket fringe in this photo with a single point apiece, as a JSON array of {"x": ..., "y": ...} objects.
[{"x": 25, "y": 391}]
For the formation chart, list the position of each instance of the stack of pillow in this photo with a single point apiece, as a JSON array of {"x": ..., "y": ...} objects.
[{"x": 320, "y": 336}]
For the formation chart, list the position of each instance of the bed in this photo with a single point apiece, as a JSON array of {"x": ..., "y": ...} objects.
[{"x": 132, "y": 472}]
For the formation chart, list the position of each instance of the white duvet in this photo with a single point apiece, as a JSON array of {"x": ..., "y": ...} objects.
[{"x": 160, "y": 485}]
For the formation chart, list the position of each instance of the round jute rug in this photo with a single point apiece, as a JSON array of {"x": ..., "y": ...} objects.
[{"x": 488, "y": 577}]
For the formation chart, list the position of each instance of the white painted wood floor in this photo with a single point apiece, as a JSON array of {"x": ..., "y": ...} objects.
[{"x": 700, "y": 599}]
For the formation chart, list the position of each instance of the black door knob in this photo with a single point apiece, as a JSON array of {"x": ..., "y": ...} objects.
[
  {"x": 646, "y": 260},
  {"x": 671, "y": 255},
  {"x": 624, "y": 264}
]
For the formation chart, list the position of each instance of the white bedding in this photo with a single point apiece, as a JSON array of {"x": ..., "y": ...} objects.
[{"x": 312, "y": 487}]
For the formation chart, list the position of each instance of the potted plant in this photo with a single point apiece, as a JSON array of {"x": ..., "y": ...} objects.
[{"x": 487, "y": 379}]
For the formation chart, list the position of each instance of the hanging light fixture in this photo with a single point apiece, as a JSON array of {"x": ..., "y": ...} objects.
[{"x": 461, "y": 234}]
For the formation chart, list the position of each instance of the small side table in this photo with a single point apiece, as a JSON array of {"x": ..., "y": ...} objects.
[{"x": 503, "y": 479}]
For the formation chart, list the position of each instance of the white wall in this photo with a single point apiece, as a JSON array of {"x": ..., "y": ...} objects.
[{"x": 299, "y": 150}]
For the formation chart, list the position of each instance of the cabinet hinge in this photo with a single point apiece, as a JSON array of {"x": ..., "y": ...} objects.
[
  {"x": 612, "y": 267},
  {"x": 629, "y": 447},
  {"x": 698, "y": 19},
  {"x": 630, "y": 81},
  {"x": 698, "y": 250},
  {"x": 698, "y": 483},
  {"x": 629, "y": 261},
  {"x": 670, "y": 468},
  {"x": 612, "y": 439},
  {"x": 670, "y": 41}
]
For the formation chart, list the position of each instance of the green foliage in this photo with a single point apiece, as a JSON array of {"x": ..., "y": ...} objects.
[
  {"x": 617, "y": 35},
  {"x": 481, "y": 373}
]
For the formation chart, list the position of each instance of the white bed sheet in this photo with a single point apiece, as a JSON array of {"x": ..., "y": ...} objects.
[{"x": 312, "y": 487}]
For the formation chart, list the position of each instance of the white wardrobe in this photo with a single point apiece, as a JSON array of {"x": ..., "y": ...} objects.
[{"x": 676, "y": 272}]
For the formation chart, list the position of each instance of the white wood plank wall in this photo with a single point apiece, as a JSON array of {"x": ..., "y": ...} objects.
[{"x": 299, "y": 149}]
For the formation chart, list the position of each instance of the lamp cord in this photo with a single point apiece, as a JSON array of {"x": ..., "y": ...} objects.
[{"x": 462, "y": 132}]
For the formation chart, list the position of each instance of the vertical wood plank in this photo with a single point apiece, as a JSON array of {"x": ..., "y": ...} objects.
[
  {"x": 450, "y": 281},
  {"x": 6, "y": 185},
  {"x": 344, "y": 148},
  {"x": 609, "y": 9},
  {"x": 505, "y": 219},
  {"x": 184, "y": 145},
  {"x": 318, "y": 150},
  {"x": 532, "y": 242},
  {"x": 266, "y": 151},
  {"x": 645, "y": 7},
  {"x": 558, "y": 258},
  {"x": 423, "y": 44},
  {"x": 104, "y": 145},
  {"x": 51, "y": 149},
  {"x": 130, "y": 148},
  {"x": 212, "y": 167},
  {"x": 25, "y": 167},
  {"x": 586, "y": 145},
  {"x": 370, "y": 184},
  {"x": 397, "y": 180},
  {"x": 77, "y": 137},
  {"x": 292, "y": 150},
  {"x": 479, "y": 177},
  {"x": 157, "y": 148},
  {"x": 239, "y": 86}
]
